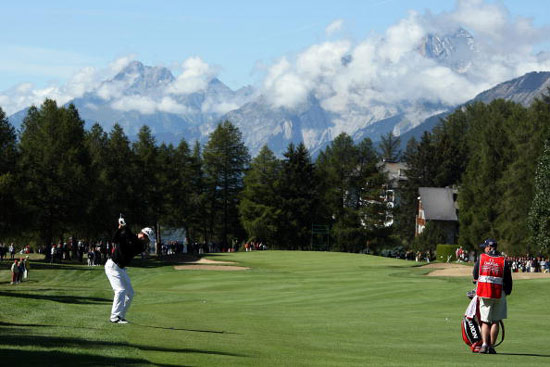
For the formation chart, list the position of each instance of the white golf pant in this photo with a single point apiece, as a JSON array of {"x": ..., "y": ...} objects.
[{"x": 120, "y": 282}]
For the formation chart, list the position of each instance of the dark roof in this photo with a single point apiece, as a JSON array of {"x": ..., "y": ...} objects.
[{"x": 438, "y": 203}]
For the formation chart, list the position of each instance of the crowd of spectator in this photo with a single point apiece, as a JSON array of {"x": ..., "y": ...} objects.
[
  {"x": 12, "y": 249},
  {"x": 254, "y": 246},
  {"x": 96, "y": 252},
  {"x": 529, "y": 264},
  {"x": 20, "y": 270}
]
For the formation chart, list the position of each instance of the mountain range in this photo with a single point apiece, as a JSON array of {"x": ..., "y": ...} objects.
[
  {"x": 523, "y": 90},
  {"x": 176, "y": 108}
]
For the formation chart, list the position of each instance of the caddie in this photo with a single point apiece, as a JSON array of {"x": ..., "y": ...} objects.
[{"x": 494, "y": 283}]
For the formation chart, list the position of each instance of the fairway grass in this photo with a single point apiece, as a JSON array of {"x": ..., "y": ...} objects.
[{"x": 289, "y": 309}]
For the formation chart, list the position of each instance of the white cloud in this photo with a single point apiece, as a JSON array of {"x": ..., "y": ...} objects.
[
  {"x": 370, "y": 74},
  {"x": 334, "y": 27},
  {"x": 389, "y": 68},
  {"x": 142, "y": 104},
  {"x": 168, "y": 104},
  {"x": 116, "y": 66},
  {"x": 194, "y": 77},
  {"x": 86, "y": 79}
]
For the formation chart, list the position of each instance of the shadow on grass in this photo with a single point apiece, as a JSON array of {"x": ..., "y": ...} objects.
[
  {"x": 12, "y": 324},
  {"x": 38, "y": 341},
  {"x": 524, "y": 354},
  {"x": 181, "y": 329},
  {"x": 57, "y": 298},
  {"x": 37, "y": 358}
]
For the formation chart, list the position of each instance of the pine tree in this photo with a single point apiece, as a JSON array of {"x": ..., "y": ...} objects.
[
  {"x": 10, "y": 208},
  {"x": 337, "y": 166},
  {"x": 259, "y": 210},
  {"x": 539, "y": 214},
  {"x": 199, "y": 218},
  {"x": 98, "y": 207},
  {"x": 405, "y": 211},
  {"x": 54, "y": 168},
  {"x": 123, "y": 187},
  {"x": 225, "y": 162},
  {"x": 297, "y": 193},
  {"x": 526, "y": 132},
  {"x": 176, "y": 182},
  {"x": 344, "y": 172},
  {"x": 491, "y": 152},
  {"x": 389, "y": 147},
  {"x": 149, "y": 198}
]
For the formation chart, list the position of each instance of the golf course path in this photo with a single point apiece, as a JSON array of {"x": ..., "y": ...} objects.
[{"x": 460, "y": 270}]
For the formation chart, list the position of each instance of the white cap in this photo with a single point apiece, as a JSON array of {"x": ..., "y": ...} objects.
[{"x": 149, "y": 233}]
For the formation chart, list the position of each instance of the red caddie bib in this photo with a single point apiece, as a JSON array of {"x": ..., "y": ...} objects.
[{"x": 491, "y": 276}]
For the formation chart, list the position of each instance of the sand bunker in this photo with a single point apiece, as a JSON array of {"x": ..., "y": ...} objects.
[
  {"x": 211, "y": 262},
  {"x": 459, "y": 270},
  {"x": 210, "y": 267},
  {"x": 207, "y": 264}
]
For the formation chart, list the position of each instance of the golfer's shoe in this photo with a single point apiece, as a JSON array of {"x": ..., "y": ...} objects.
[
  {"x": 492, "y": 350},
  {"x": 118, "y": 320},
  {"x": 484, "y": 349}
]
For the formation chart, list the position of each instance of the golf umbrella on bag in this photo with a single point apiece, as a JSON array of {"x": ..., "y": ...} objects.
[{"x": 471, "y": 333}]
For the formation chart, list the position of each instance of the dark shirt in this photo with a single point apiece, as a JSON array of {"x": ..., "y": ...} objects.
[
  {"x": 507, "y": 278},
  {"x": 126, "y": 246}
]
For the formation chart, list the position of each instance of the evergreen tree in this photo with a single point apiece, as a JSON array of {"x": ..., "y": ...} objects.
[
  {"x": 526, "y": 133},
  {"x": 337, "y": 167},
  {"x": 9, "y": 206},
  {"x": 199, "y": 218},
  {"x": 539, "y": 214},
  {"x": 491, "y": 151},
  {"x": 177, "y": 176},
  {"x": 123, "y": 186},
  {"x": 297, "y": 193},
  {"x": 405, "y": 210},
  {"x": 422, "y": 169},
  {"x": 98, "y": 208},
  {"x": 54, "y": 167},
  {"x": 344, "y": 172},
  {"x": 259, "y": 210},
  {"x": 389, "y": 147},
  {"x": 225, "y": 162},
  {"x": 450, "y": 154},
  {"x": 375, "y": 212},
  {"x": 149, "y": 198}
]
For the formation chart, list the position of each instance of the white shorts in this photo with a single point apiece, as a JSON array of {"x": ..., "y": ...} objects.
[{"x": 493, "y": 310}]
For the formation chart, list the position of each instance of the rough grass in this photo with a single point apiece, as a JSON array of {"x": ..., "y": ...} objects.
[{"x": 290, "y": 309}]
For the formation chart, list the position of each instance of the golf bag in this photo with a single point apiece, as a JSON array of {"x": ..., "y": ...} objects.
[{"x": 471, "y": 332}]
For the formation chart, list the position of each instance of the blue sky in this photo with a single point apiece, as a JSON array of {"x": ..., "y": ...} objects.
[
  {"x": 62, "y": 49},
  {"x": 45, "y": 42}
]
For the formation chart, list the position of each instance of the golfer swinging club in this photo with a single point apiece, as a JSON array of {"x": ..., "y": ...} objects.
[{"x": 126, "y": 245}]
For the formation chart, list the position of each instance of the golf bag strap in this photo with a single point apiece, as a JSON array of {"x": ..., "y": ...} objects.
[{"x": 502, "y": 334}]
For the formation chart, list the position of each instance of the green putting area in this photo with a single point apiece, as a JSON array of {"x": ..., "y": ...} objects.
[{"x": 286, "y": 309}]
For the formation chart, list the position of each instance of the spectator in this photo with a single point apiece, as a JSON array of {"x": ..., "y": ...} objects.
[
  {"x": 12, "y": 251},
  {"x": 27, "y": 264},
  {"x": 14, "y": 272},
  {"x": 52, "y": 254},
  {"x": 21, "y": 266},
  {"x": 2, "y": 251},
  {"x": 90, "y": 257}
]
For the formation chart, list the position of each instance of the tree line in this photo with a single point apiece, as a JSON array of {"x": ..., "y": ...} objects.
[
  {"x": 494, "y": 155},
  {"x": 58, "y": 180}
]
